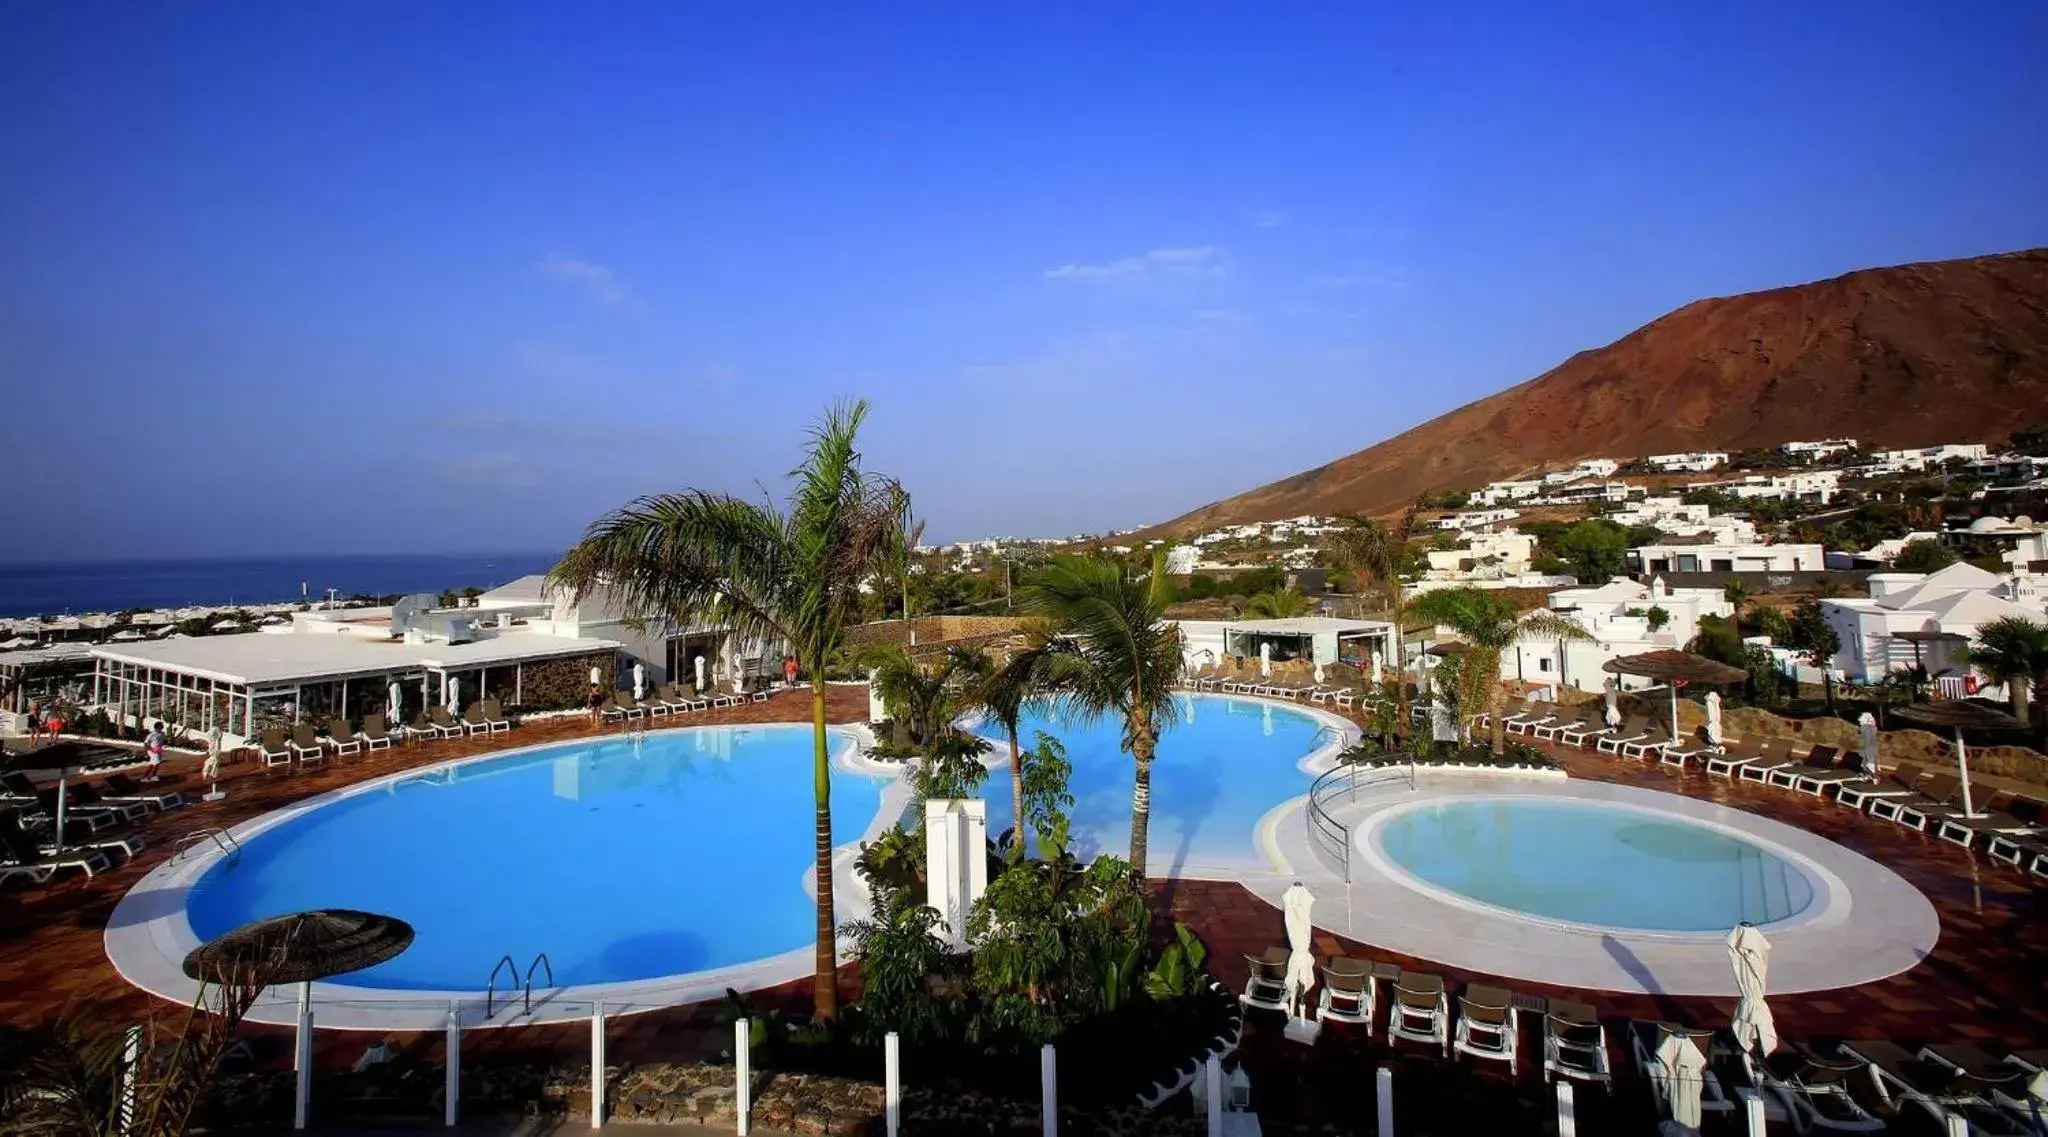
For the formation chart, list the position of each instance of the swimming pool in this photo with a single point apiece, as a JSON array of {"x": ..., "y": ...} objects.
[
  {"x": 621, "y": 859},
  {"x": 1595, "y": 863},
  {"x": 1223, "y": 767}
]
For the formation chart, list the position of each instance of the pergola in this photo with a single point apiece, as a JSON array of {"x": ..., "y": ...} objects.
[
  {"x": 1919, "y": 638},
  {"x": 1675, "y": 669}
]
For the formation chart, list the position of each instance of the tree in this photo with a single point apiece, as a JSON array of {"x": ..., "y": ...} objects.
[
  {"x": 925, "y": 692},
  {"x": 1280, "y": 604},
  {"x": 1378, "y": 555},
  {"x": 1923, "y": 556},
  {"x": 1003, "y": 693},
  {"x": 2014, "y": 651},
  {"x": 1118, "y": 655},
  {"x": 1737, "y": 594},
  {"x": 698, "y": 555},
  {"x": 1816, "y": 642},
  {"x": 1657, "y": 617},
  {"x": 1595, "y": 549},
  {"x": 1489, "y": 624},
  {"x": 1719, "y": 640}
]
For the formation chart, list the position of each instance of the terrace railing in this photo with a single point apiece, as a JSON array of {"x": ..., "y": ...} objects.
[{"x": 1338, "y": 787}]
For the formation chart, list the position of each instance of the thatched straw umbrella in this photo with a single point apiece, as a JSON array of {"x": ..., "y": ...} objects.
[
  {"x": 301, "y": 948},
  {"x": 1675, "y": 669},
  {"x": 1959, "y": 714}
]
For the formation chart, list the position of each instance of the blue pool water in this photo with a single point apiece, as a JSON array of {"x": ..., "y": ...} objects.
[
  {"x": 1221, "y": 768},
  {"x": 1595, "y": 864},
  {"x": 620, "y": 860}
]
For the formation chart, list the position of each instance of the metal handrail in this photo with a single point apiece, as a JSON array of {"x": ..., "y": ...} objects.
[
  {"x": 540, "y": 960},
  {"x": 223, "y": 840},
  {"x": 1331, "y": 837},
  {"x": 491, "y": 988}
]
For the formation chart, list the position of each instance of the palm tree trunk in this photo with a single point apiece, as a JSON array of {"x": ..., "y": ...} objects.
[
  {"x": 1495, "y": 707},
  {"x": 825, "y": 983},
  {"x": 2017, "y": 690},
  {"x": 1141, "y": 805},
  {"x": 1017, "y": 787}
]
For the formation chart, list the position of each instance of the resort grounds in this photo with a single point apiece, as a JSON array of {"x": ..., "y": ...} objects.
[{"x": 1982, "y": 984}]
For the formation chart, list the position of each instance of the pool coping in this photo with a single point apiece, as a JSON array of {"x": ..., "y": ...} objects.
[
  {"x": 1874, "y": 923},
  {"x": 148, "y": 946}
]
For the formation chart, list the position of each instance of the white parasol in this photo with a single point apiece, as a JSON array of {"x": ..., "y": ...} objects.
[
  {"x": 454, "y": 694},
  {"x": 698, "y": 662},
  {"x": 1375, "y": 665},
  {"x": 597, "y": 676},
  {"x": 1613, "y": 701},
  {"x": 1265, "y": 659},
  {"x": 1298, "y": 902},
  {"x": 394, "y": 703},
  {"x": 1866, "y": 729},
  {"x": 1319, "y": 671},
  {"x": 1713, "y": 718},
  {"x": 639, "y": 681},
  {"x": 1680, "y": 1073},
  {"x": 1750, "y": 954},
  {"x": 877, "y": 709}
]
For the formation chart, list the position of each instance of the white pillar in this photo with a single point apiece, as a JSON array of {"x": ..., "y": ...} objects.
[
  {"x": 743, "y": 1073},
  {"x": 1963, "y": 767},
  {"x": 302, "y": 1058},
  {"x": 1567, "y": 1117},
  {"x": 892, "y": 1083},
  {"x": 1213, "y": 1083},
  {"x": 1048, "y": 1092},
  {"x": 451, "y": 1090},
  {"x": 597, "y": 1066},
  {"x": 131, "y": 1056},
  {"x": 1958, "y": 1123},
  {"x": 1386, "y": 1103},
  {"x": 1752, "y": 1111}
]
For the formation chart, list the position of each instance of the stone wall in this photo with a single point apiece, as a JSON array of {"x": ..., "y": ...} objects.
[
  {"x": 553, "y": 684},
  {"x": 933, "y": 629}
]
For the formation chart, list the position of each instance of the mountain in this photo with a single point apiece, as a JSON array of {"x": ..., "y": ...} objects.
[{"x": 1943, "y": 351}]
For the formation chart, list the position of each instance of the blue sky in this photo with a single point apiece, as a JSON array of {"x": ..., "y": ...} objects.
[{"x": 387, "y": 276}]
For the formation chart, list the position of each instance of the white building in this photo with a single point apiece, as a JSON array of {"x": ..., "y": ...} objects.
[
  {"x": 1920, "y": 458},
  {"x": 1589, "y": 468},
  {"x": 1817, "y": 451},
  {"x": 1697, "y": 461},
  {"x": 1496, "y": 492},
  {"x": 1476, "y": 519},
  {"x": 1954, "y": 602},
  {"x": 2030, "y": 555},
  {"x": 1585, "y": 493},
  {"x": 1727, "y": 558},
  {"x": 1888, "y": 550},
  {"x": 1180, "y": 560},
  {"x": 1672, "y": 517},
  {"x": 1820, "y": 484},
  {"x": 1318, "y": 639},
  {"x": 2009, "y": 467},
  {"x": 1618, "y": 614},
  {"x": 1483, "y": 556}
]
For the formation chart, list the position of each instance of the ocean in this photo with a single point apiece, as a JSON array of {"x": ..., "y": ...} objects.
[{"x": 110, "y": 586}]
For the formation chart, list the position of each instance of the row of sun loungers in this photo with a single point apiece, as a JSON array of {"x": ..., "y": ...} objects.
[
  {"x": 673, "y": 700},
  {"x": 92, "y": 813},
  {"x": 1482, "y": 1021}
]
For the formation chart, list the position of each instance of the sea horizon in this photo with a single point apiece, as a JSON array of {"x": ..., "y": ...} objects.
[{"x": 82, "y": 586}]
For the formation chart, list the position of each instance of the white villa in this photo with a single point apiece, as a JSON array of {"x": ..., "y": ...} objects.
[
  {"x": 1619, "y": 615},
  {"x": 1477, "y": 519},
  {"x": 1726, "y": 558},
  {"x": 1589, "y": 468},
  {"x": 1318, "y": 639},
  {"x": 1483, "y": 556},
  {"x": 1952, "y": 603},
  {"x": 1671, "y": 516},
  {"x": 1493, "y": 493},
  {"x": 1820, "y": 484},
  {"x": 1697, "y": 462},
  {"x": 521, "y": 644},
  {"x": 1817, "y": 451},
  {"x": 1919, "y": 459}
]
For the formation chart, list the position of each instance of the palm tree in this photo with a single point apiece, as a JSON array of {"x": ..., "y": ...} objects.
[
  {"x": 1003, "y": 693},
  {"x": 1279, "y": 604},
  {"x": 925, "y": 692},
  {"x": 1116, "y": 654},
  {"x": 2013, "y": 651},
  {"x": 1737, "y": 594},
  {"x": 763, "y": 572},
  {"x": 1378, "y": 554},
  {"x": 1489, "y": 623}
]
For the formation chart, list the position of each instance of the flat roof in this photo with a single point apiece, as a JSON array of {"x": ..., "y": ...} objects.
[
  {"x": 48, "y": 653},
  {"x": 259, "y": 658},
  {"x": 1307, "y": 625}
]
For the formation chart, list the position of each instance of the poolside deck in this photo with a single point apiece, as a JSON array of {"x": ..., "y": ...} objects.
[{"x": 1982, "y": 983}]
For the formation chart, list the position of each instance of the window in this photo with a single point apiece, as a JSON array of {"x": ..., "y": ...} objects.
[
  {"x": 1543, "y": 664},
  {"x": 1718, "y": 565}
]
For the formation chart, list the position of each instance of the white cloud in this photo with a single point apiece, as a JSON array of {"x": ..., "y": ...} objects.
[
  {"x": 1199, "y": 262},
  {"x": 594, "y": 280},
  {"x": 1269, "y": 219}
]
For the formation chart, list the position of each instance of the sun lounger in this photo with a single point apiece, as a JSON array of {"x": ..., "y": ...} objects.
[
  {"x": 1913, "y": 810},
  {"x": 1346, "y": 698},
  {"x": 1814, "y": 1091},
  {"x": 1348, "y": 991},
  {"x": 18, "y": 851},
  {"x": 2021, "y": 851},
  {"x": 1652, "y": 742},
  {"x": 1584, "y": 716},
  {"x": 1940, "y": 1088},
  {"x": 1777, "y": 755},
  {"x": 1811, "y": 779},
  {"x": 274, "y": 749},
  {"x": 305, "y": 745},
  {"x": 1958, "y": 829},
  {"x": 343, "y": 739},
  {"x": 125, "y": 788},
  {"x": 1575, "y": 1044},
  {"x": 1819, "y": 761},
  {"x": 1588, "y": 731},
  {"x": 15, "y": 784},
  {"x": 1735, "y": 754},
  {"x": 1528, "y": 719},
  {"x": 375, "y": 737},
  {"x": 1265, "y": 985},
  {"x": 486, "y": 717},
  {"x": 1637, "y": 727},
  {"x": 1488, "y": 1025},
  {"x": 1686, "y": 750},
  {"x": 444, "y": 724},
  {"x": 1858, "y": 794},
  {"x": 87, "y": 796},
  {"x": 2008, "y": 1082},
  {"x": 1420, "y": 1010},
  {"x": 88, "y": 819}
]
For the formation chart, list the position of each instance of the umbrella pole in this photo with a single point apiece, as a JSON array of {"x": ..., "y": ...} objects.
[
  {"x": 60, "y": 812},
  {"x": 302, "y": 1057},
  {"x": 1674, "y": 714},
  {"x": 1963, "y": 766}
]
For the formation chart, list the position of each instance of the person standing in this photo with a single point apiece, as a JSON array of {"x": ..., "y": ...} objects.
[
  {"x": 153, "y": 749},
  {"x": 596, "y": 702},
  {"x": 789, "y": 671},
  {"x": 35, "y": 724}
]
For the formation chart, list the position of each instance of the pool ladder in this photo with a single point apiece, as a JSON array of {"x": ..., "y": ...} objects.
[{"x": 506, "y": 965}]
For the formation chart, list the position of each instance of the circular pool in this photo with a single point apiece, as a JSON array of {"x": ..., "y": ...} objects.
[{"x": 1596, "y": 863}]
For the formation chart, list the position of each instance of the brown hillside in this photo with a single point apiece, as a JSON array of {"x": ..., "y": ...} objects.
[{"x": 1946, "y": 351}]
